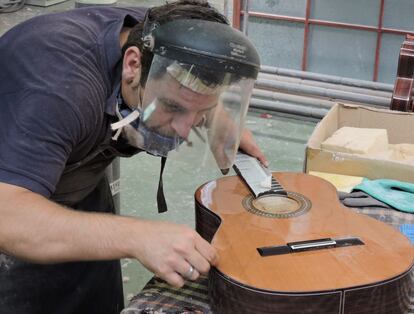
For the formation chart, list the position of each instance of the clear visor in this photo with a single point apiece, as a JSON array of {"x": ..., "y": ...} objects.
[{"x": 184, "y": 104}]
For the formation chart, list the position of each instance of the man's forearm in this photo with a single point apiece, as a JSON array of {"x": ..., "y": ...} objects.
[{"x": 36, "y": 229}]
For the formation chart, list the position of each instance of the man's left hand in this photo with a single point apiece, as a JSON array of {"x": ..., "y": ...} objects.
[{"x": 250, "y": 147}]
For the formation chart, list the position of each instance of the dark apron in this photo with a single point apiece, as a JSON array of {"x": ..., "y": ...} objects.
[{"x": 76, "y": 287}]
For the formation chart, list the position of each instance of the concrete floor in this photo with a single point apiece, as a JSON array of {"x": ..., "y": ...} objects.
[{"x": 281, "y": 138}]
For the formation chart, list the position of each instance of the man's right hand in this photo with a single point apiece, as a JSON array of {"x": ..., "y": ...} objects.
[{"x": 170, "y": 250}]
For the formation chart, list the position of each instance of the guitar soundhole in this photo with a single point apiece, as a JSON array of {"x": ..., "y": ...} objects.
[{"x": 278, "y": 206}]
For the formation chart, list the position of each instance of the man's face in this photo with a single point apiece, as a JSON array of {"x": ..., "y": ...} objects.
[{"x": 174, "y": 108}]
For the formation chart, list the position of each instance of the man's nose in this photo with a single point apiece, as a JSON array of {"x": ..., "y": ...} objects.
[{"x": 182, "y": 123}]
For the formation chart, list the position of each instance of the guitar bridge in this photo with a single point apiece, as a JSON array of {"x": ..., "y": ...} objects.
[{"x": 309, "y": 245}]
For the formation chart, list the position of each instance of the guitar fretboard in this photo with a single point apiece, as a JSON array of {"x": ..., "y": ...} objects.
[{"x": 258, "y": 178}]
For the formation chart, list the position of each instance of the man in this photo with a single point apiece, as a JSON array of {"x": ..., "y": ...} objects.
[{"x": 70, "y": 102}]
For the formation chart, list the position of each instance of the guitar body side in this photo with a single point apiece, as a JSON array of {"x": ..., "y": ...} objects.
[{"x": 228, "y": 297}]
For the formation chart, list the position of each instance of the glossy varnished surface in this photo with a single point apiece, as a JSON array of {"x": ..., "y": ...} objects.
[{"x": 387, "y": 254}]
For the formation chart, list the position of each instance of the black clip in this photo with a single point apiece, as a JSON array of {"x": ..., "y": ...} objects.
[{"x": 147, "y": 28}]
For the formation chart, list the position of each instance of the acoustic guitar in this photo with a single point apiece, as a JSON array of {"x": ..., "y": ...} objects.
[
  {"x": 402, "y": 97},
  {"x": 287, "y": 245}
]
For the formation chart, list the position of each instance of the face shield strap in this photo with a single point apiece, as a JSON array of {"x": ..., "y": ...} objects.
[
  {"x": 125, "y": 118},
  {"x": 161, "y": 202}
]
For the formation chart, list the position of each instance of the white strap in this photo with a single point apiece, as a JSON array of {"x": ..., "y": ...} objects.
[{"x": 125, "y": 121}]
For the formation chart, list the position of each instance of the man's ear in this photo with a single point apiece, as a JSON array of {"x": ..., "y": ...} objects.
[{"x": 131, "y": 67}]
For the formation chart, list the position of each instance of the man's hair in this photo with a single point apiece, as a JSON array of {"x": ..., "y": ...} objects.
[{"x": 182, "y": 9}]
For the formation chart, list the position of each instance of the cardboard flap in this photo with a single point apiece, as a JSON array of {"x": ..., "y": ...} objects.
[
  {"x": 325, "y": 129},
  {"x": 399, "y": 124}
]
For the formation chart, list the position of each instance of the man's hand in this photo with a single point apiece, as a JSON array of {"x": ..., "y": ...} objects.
[
  {"x": 171, "y": 250},
  {"x": 249, "y": 146}
]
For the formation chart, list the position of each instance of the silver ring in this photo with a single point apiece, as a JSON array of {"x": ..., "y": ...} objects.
[{"x": 190, "y": 272}]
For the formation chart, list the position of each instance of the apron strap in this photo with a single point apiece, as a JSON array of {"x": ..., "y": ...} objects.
[{"x": 162, "y": 204}]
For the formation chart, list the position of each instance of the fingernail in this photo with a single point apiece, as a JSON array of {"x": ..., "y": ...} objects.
[
  {"x": 225, "y": 171},
  {"x": 216, "y": 259}
]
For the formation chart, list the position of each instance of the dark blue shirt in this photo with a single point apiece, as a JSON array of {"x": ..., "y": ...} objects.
[{"x": 58, "y": 73}]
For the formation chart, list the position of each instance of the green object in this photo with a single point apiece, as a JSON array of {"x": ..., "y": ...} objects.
[{"x": 397, "y": 194}]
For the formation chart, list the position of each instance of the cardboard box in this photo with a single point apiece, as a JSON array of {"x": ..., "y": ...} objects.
[{"x": 400, "y": 127}]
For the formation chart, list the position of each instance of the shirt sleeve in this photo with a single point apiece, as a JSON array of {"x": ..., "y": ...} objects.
[{"x": 37, "y": 135}]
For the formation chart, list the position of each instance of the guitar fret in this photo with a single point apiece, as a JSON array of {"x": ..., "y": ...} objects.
[
  {"x": 276, "y": 186},
  {"x": 258, "y": 179}
]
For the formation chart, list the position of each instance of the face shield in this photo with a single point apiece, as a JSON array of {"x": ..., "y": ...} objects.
[
  {"x": 198, "y": 87},
  {"x": 183, "y": 101}
]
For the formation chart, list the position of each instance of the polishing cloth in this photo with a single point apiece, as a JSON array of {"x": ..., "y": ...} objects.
[{"x": 397, "y": 194}]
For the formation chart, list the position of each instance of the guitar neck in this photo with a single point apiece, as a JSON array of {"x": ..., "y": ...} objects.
[{"x": 257, "y": 178}]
